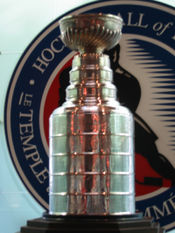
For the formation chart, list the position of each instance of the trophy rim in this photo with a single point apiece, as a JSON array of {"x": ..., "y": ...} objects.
[{"x": 90, "y": 16}]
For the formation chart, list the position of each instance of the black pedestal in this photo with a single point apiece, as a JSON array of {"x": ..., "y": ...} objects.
[{"x": 92, "y": 224}]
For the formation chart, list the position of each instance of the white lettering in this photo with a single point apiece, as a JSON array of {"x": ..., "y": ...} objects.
[
  {"x": 159, "y": 213},
  {"x": 34, "y": 155},
  {"x": 25, "y": 99},
  {"x": 26, "y": 144},
  {"x": 160, "y": 28},
  {"x": 27, "y": 116},
  {"x": 148, "y": 212},
  {"x": 53, "y": 48},
  {"x": 26, "y": 135},
  {"x": 166, "y": 209},
  {"x": 172, "y": 201},
  {"x": 130, "y": 19},
  {"x": 40, "y": 65},
  {"x": 43, "y": 175},
  {"x": 34, "y": 165},
  {"x": 25, "y": 128},
  {"x": 139, "y": 23},
  {"x": 47, "y": 55}
]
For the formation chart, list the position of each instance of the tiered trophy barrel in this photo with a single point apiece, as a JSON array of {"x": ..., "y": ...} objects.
[{"x": 91, "y": 134}]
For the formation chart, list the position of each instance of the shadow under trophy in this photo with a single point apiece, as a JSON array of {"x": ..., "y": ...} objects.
[{"x": 91, "y": 141}]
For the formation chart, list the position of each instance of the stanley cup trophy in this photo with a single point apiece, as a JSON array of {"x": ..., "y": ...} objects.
[
  {"x": 91, "y": 141},
  {"x": 91, "y": 135}
]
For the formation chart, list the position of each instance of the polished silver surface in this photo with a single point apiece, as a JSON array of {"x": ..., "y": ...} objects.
[
  {"x": 91, "y": 140},
  {"x": 91, "y": 32}
]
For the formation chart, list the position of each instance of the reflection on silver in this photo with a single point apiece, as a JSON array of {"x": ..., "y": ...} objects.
[{"x": 91, "y": 135}]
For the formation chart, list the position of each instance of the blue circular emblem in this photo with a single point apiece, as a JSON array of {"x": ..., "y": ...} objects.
[{"x": 144, "y": 73}]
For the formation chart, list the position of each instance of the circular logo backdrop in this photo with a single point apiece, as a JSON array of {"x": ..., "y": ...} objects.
[{"x": 144, "y": 74}]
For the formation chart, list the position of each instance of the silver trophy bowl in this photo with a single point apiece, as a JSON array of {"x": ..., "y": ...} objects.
[{"x": 91, "y": 33}]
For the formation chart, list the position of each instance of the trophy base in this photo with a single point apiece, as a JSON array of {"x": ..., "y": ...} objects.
[{"x": 134, "y": 223}]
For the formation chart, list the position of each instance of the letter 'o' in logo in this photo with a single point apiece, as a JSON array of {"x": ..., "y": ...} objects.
[{"x": 144, "y": 73}]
